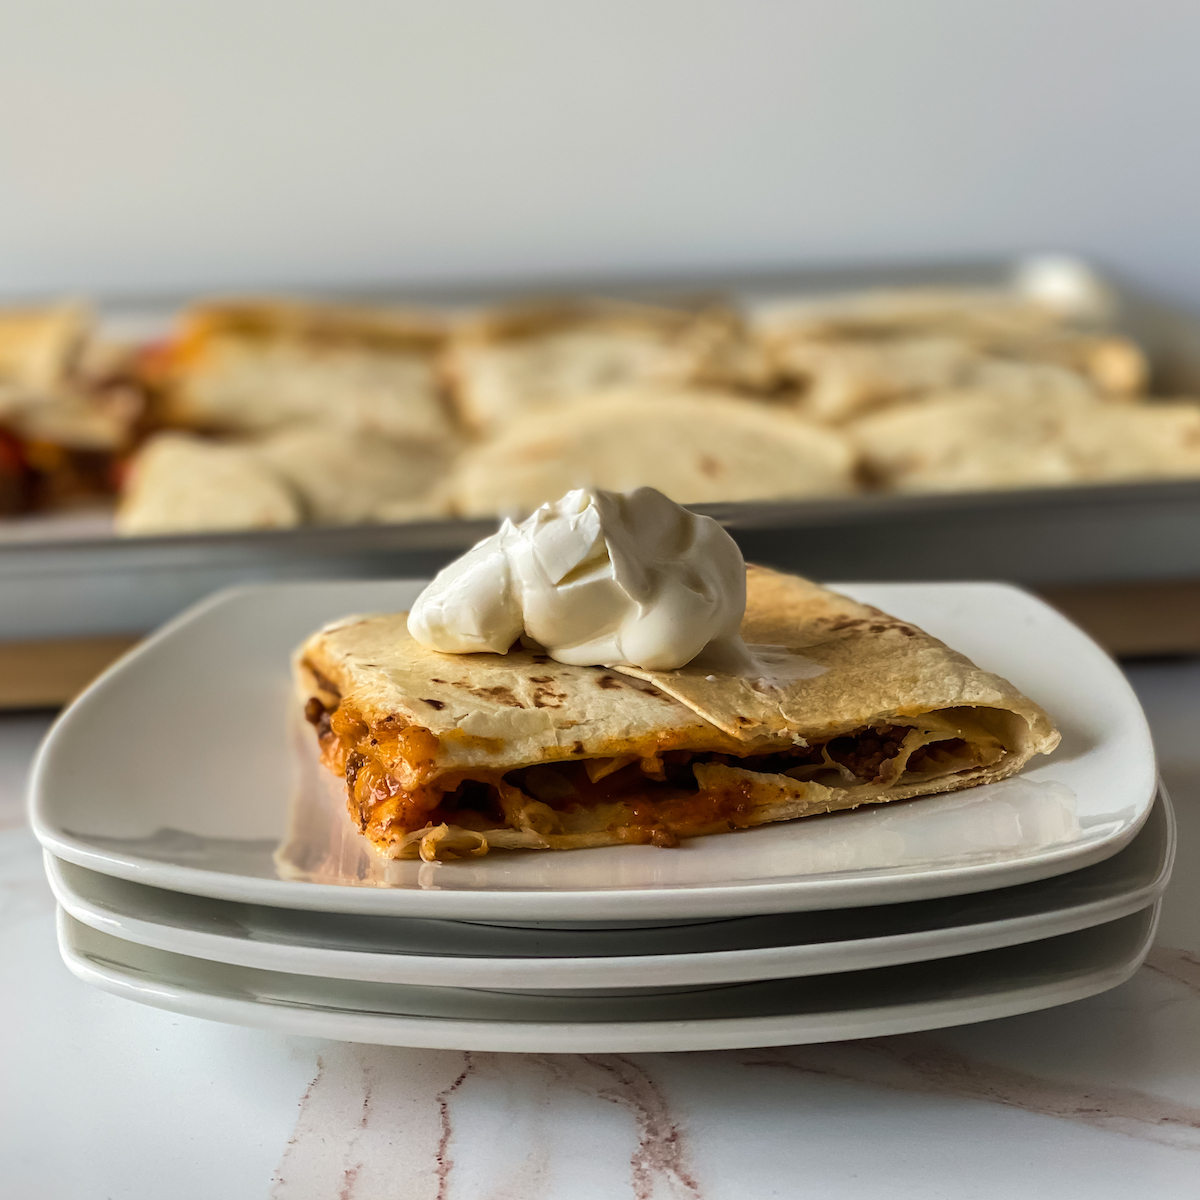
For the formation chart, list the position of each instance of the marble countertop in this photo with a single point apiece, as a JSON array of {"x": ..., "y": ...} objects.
[{"x": 100, "y": 1097}]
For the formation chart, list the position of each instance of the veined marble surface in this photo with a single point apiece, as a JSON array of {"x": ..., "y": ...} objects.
[{"x": 103, "y": 1098}]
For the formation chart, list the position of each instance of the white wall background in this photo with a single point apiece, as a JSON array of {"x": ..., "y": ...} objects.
[{"x": 158, "y": 145}]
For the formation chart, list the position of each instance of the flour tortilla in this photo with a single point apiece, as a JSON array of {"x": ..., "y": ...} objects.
[
  {"x": 981, "y": 314},
  {"x": 533, "y": 357},
  {"x": 695, "y": 447},
  {"x": 856, "y": 352},
  {"x": 344, "y": 477},
  {"x": 39, "y": 346},
  {"x": 184, "y": 484},
  {"x": 836, "y": 381},
  {"x": 254, "y": 366},
  {"x": 840, "y": 379},
  {"x": 965, "y": 441},
  {"x": 492, "y": 711},
  {"x": 308, "y": 474},
  {"x": 425, "y": 721},
  {"x": 867, "y": 668}
]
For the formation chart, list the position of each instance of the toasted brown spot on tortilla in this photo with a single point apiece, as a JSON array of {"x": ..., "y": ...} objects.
[
  {"x": 847, "y": 623},
  {"x": 499, "y": 693},
  {"x": 608, "y": 682},
  {"x": 577, "y": 748},
  {"x": 438, "y": 704}
]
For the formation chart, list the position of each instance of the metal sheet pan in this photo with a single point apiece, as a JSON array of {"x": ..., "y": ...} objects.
[{"x": 54, "y": 586}]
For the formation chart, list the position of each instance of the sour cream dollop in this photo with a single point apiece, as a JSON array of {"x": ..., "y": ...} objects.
[{"x": 597, "y": 579}]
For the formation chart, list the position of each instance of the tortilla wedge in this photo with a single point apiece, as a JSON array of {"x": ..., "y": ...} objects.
[
  {"x": 253, "y": 366},
  {"x": 38, "y": 347},
  {"x": 452, "y": 754},
  {"x": 694, "y": 446},
  {"x": 962, "y": 441},
  {"x": 538, "y": 357},
  {"x": 180, "y": 483}
]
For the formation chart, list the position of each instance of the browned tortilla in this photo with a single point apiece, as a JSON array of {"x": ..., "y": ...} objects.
[{"x": 448, "y": 753}]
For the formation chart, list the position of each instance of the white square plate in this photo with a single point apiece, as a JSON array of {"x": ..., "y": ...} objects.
[
  {"x": 777, "y": 1012},
  {"x": 176, "y": 768},
  {"x": 467, "y": 954}
]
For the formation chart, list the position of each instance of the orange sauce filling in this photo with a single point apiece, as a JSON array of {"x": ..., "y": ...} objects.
[
  {"x": 657, "y": 797},
  {"x": 650, "y": 794}
]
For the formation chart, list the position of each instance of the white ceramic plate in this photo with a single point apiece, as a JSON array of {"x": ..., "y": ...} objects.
[
  {"x": 901, "y": 999},
  {"x": 457, "y": 954},
  {"x": 176, "y": 767}
]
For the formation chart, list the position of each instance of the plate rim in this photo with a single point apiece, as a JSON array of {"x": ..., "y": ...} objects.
[
  {"x": 725, "y": 1033},
  {"x": 679, "y": 901},
  {"x": 686, "y": 968}
]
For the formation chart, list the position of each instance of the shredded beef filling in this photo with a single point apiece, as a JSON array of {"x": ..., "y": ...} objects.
[
  {"x": 669, "y": 775},
  {"x": 864, "y": 754},
  {"x": 656, "y": 791}
]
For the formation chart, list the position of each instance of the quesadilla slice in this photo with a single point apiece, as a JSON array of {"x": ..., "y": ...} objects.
[
  {"x": 344, "y": 477},
  {"x": 696, "y": 447},
  {"x": 544, "y": 356},
  {"x": 961, "y": 441},
  {"x": 179, "y": 483},
  {"x": 448, "y": 754},
  {"x": 836, "y": 380},
  {"x": 39, "y": 348},
  {"x": 841, "y": 356},
  {"x": 979, "y": 314},
  {"x": 254, "y": 366}
]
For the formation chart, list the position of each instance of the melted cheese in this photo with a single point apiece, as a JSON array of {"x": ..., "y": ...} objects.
[{"x": 652, "y": 797}]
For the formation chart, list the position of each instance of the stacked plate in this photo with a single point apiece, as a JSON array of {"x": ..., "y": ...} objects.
[{"x": 204, "y": 864}]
